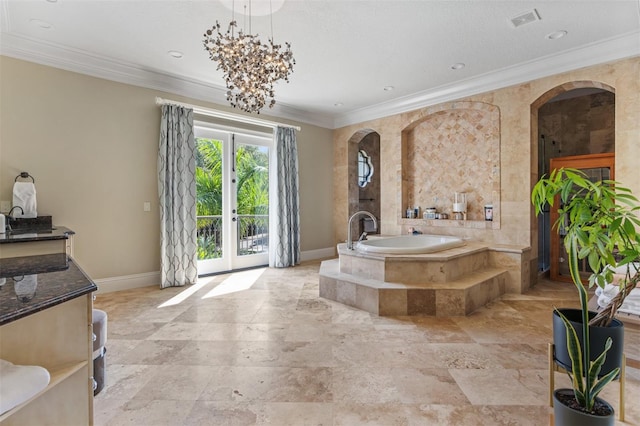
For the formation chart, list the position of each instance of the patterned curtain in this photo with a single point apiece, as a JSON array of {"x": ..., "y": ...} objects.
[
  {"x": 177, "y": 192},
  {"x": 286, "y": 241}
]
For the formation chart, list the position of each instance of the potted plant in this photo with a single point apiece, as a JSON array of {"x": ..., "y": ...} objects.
[{"x": 599, "y": 222}]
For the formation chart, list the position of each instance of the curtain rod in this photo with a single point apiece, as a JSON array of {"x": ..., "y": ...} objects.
[{"x": 225, "y": 115}]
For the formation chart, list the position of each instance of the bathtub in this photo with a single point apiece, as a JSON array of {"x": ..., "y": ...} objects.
[{"x": 409, "y": 244}]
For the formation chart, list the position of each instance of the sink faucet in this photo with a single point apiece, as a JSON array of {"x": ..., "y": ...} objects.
[
  {"x": 9, "y": 217},
  {"x": 353, "y": 216},
  {"x": 15, "y": 207}
]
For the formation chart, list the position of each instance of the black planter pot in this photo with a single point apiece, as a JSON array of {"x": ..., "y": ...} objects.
[
  {"x": 565, "y": 416},
  {"x": 597, "y": 337}
]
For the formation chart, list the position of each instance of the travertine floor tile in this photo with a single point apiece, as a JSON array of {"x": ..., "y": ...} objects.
[
  {"x": 144, "y": 412},
  {"x": 496, "y": 387},
  {"x": 269, "y": 384},
  {"x": 261, "y": 348},
  {"x": 183, "y": 383}
]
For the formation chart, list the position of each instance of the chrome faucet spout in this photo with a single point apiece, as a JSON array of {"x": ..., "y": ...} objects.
[{"x": 353, "y": 216}]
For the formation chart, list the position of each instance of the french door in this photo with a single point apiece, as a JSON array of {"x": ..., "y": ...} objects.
[
  {"x": 598, "y": 167},
  {"x": 232, "y": 190}
]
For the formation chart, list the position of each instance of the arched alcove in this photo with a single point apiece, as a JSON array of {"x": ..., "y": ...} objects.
[
  {"x": 453, "y": 147},
  {"x": 569, "y": 121},
  {"x": 364, "y": 191}
]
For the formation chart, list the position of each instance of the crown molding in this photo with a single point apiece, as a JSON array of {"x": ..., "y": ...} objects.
[
  {"x": 613, "y": 49},
  {"x": 5, "y": 25},
  {"x": 83, "y": 62}
]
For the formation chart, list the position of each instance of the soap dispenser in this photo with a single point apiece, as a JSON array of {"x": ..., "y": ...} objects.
[{"x": 3, "y": 224}]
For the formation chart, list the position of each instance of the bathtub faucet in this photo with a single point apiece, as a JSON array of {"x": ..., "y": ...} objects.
[{"x": 353, "y": 216}]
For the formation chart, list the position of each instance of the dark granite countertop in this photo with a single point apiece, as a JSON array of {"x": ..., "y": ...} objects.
[
  {"x": 31, "y": 284},
  {"x": 23, "y": 236}
]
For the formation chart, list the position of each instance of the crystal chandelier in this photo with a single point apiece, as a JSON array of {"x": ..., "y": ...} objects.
[{"x": 250, "y": 66}]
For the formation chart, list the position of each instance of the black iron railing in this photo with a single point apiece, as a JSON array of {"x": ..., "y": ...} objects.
[{"x": 253, "y": 235}]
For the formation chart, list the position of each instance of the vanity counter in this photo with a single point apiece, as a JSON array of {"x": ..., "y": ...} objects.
[
  {"x": 46, "y": 320},
  {"x": 35, "y": 283},
  {"x": 39, "y": 241},
  {"x": 23, "y": 236}
]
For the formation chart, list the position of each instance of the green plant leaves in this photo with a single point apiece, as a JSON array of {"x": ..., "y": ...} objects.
[
  {"x": 599, "y": 222},
  {"x": 575, "y": 354}
]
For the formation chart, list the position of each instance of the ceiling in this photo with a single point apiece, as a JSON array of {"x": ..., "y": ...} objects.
[{"x": 347, "y": 51}]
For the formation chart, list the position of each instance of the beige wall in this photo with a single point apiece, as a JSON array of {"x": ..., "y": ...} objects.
[
  {"x": 518, "y": 153},
  {"x": 91, "y": 145}
]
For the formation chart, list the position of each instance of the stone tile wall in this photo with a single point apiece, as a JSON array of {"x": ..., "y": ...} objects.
[
  {"x": 453, "y": 150},
  {"x": 518, "y": 106}
]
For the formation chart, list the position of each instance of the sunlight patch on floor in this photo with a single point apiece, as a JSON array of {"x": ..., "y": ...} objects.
[
  {"x": 237, "y": 281},
  {"x": 184, "y": 295}
]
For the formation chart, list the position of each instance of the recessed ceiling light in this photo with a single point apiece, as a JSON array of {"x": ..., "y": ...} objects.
[
  {"x": 556, "y": 35},
  {"x": 52, "y": 1},
  {"x": 388, "y": 88},
  {"x": 176, "y": 54},
  {"x": 458, "y": 66},
  {"x": 338, "y": 104},
  {"x": 41, "y": 24}
]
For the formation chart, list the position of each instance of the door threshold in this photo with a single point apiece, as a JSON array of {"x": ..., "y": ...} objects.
[{"x": 213, "y": 274}]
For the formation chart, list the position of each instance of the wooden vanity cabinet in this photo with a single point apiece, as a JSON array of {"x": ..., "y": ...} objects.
[{"x": 58, "y": 338}]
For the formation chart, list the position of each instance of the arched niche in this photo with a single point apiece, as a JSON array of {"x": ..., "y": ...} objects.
[
  {"x": 364, "y": 196},
  {"x": 453, "y": 147},
  {"x": 598, "y": 137}
]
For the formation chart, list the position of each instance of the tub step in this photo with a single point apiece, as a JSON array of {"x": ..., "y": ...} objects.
[{"x": 454, "y": 298}]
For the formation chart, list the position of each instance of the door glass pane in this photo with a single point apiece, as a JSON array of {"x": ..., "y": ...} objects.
[
  {"x": 209, "y": 198},
  {"x": 252, "y": 193}
]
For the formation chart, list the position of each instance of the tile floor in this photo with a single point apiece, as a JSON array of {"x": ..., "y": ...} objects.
[{"x": 260, "y": 347}]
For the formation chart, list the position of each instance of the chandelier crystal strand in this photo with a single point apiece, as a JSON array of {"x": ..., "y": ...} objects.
[{"x": 250, "y": 67}]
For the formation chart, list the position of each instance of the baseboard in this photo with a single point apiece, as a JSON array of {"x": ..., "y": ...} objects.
[
  {"x": 128, "y": 282},
  {"x": 318, "y": 254}
]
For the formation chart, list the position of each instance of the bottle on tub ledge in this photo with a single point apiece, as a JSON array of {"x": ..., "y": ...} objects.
[{"x": 429, "y": 213}]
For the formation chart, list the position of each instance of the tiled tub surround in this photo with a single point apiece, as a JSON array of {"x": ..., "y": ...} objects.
[
  {"x": 518, "y": 153},
  {"x": 455, "y": 148},
  {"x": 448, "y": 283}
]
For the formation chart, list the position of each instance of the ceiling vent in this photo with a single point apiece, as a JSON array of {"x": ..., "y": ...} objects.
[{"x": 525, "y": 18}]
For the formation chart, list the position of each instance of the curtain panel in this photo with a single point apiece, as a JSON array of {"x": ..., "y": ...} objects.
[
  {"x": 177, "y": 193},
  {"x": 286, "y": 241}
]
